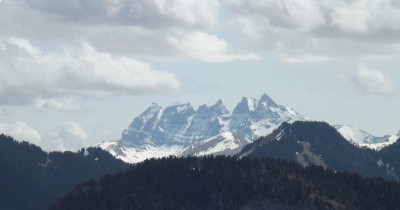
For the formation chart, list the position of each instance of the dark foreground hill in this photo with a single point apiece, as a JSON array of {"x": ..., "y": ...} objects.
[
  {"x": 318, "y": 143},
  {"x": 31, "y": 179},
  {"x": 228, "y": 183}
]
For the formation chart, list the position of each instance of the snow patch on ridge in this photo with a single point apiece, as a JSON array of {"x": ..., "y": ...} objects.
[
  {"x": 363, "y": 139},
  {"x": 136, "y": 155}
]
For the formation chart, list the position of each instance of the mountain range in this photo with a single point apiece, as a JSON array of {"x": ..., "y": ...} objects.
[{"x": 181, "y": 130}]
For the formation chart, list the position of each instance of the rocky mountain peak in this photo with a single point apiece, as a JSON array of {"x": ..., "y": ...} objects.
[
  {"x": 209, "y": 129},
  {"x": 245, "y": 106},
  {"x": 180, "y": 108},
  {"x": 217, "y": 109},
  {"x": 266, "y": 101}
]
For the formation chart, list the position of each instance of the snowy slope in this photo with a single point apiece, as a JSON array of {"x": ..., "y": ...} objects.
[
  {"x": 181, "y": 130},
  {"x": 222, "y": 144},
  {"x": 131, "y": 154},
  {"x": 364, "y": 139}
]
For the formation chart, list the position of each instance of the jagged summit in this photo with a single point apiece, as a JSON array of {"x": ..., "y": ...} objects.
[
  {"x": 217, "y": 108},
  {"x": 267, "y": 101},
  {"x": 245, "y": 106},
  {"x": 211, "y": 129}
]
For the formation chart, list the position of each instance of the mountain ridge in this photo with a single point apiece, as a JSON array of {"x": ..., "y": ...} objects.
[
  {"x": 209, "y": 129},
  {"x": 318, "y": 143},
  {"x": 181, "y": 130}
]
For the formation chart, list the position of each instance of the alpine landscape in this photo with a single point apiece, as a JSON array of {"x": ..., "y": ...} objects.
[{"x": 199, "y": 105}]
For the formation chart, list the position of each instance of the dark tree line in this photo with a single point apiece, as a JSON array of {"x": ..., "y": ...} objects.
[
  {"x": 230, "y": 183},
  {"x": 33, "y": 179}
]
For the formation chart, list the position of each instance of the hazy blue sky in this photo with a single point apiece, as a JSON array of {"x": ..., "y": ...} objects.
[{"x": 76, "y": 72}]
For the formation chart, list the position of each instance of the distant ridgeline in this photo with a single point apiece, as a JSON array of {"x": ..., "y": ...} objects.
[
  {"x": 197, "y": 183},
  {"x": 31, "y": 179},
  {"x": 318, "y": 143}
]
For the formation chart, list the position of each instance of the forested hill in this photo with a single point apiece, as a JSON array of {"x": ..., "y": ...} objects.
[
  {"x": 31, "y": 179},
  {"x": 228, "y": 183},
  {"x": 318, "y": 143}
]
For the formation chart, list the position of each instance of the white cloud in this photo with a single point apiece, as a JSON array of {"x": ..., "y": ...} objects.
[
  {"x": 304, "y": 30},
  {"x": 137, "y": 27},
  {"x": 206, "y": 47},
  {"x": 371, "y": 81},
  {"x": 71, "y": 136},
  {"x": 21, "y": 131},
  {"x": 50, "y": 78},
  {"x": 58, "y": 104}
]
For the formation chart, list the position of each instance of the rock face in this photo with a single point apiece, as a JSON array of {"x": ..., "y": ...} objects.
[{"x": 182, "y": 130}]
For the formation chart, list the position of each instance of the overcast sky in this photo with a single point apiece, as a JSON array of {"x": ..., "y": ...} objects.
[{"x": 74, "y": 73}]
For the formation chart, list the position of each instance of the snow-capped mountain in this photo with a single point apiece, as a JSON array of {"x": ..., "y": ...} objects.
[
  {"x": 363, "y": 139},
  {"x": 182, "y": 130}
]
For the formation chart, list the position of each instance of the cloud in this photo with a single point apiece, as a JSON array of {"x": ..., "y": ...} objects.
[
  {"x": 303, "y": 14},
  {"x": 71, "y": 136},
  {"x": 50, "y": 78},
  {"x": 21, "y": 131},
  {"x": 58, "y": 104},
  {"x": 136, "y": 28},
  {"x": 148, "y": 13},
  {"x": 298, "y": 31},
  {"x": 371, "y": 81},
  {"x": 319, "y": 31},
  {"x": 216, "y": 50}
]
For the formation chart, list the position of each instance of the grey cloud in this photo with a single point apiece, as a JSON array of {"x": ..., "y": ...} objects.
[
  {"x": 330, "y": 29},
  {"x": 148, "y": 13},
  {"x": 132, "y": 27},
  {"x": 309, "y": 28}
]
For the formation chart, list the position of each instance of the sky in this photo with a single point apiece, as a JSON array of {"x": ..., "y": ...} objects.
[{"x": 74, "y": 73}]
